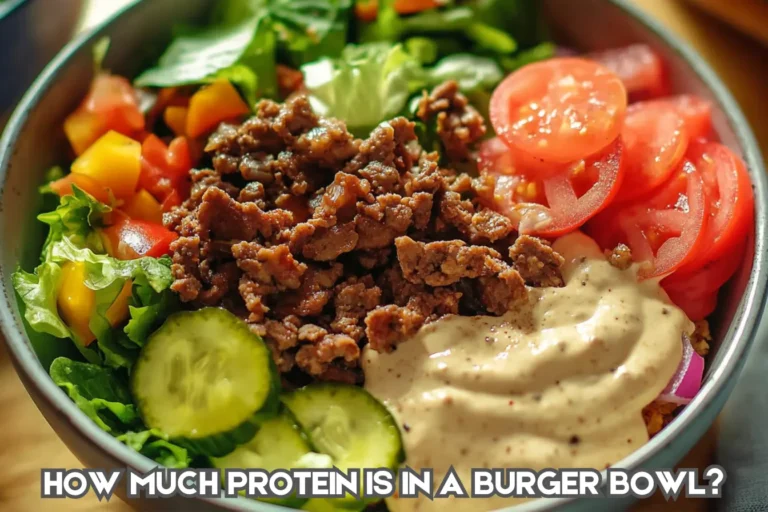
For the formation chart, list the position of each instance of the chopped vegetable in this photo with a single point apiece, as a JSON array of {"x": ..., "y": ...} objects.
[
  {"x": 65, "y": 186},
  {"x": 638, "y": 66},
  {"x": 368, "y": 84},
  {"x": 129, "y": 239},
  {"x": 176, "y": 119},
  {"x": 687, "y": 379},
  {"x": 559, "y": 110},
  {"x": 114, "y": 161},
  {"x": 143, "y": 206},
  {"x": 206, "y": 381},
  {"x": 211, "y": 105}
]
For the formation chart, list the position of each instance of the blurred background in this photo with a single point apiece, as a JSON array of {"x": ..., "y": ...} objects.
[{"x": 732, "y": 35}]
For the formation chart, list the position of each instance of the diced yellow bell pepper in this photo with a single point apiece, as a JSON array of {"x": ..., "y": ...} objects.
[
  {"x": 213, "y": 104},
  {"x": 76, "y": 302},
  {"x": 176, "y": 119},
  {"x": 144, "y": 206},
  {"x": 82, "y": 129},
  {"x": 114, "y": 161}
]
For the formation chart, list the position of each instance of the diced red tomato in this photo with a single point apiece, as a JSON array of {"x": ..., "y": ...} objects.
[
  {"x": 666, "y": 229},
  {"x": 164, "y": 169},
  {"x": 63, "y": 186},
  {"x": 572, "y": 198},
  {"x": 639, "y": 67},
  {"x": 129, "y": 239},
  {"x": 497, "y": 162},
  {"x": 559, "y": 110},
  {"x": 655, "y": 138},
  {"x": 111, "y": 104},
  {"x": 729, "y": 193}
]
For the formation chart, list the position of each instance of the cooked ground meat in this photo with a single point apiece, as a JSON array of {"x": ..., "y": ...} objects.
[
  {"x": 459, "y": 125},
  {"x": 621, "y": 257},
  {"x": 324, "y": 243},
  {"x": 536, "y": 261}
]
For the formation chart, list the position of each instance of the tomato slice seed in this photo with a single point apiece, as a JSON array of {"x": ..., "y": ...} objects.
[{"x": 560, "y": 110}]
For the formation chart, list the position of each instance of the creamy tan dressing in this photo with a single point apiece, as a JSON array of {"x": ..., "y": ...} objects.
[{"x": 559, "y": 384}]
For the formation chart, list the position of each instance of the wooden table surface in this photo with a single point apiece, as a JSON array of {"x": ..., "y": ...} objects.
[{"x": 27, "y": 443}]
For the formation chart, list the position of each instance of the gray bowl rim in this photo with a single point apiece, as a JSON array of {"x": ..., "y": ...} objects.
[
  {"x": 9, "y": 6},
  {"x": 742, "y": 331}
]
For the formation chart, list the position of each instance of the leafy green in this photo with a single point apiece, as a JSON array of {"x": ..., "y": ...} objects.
[
  {"x": 147, "y": 316},
  {"x": 368, "y": 84},
  {"x": 38, "y": 292},
  {"x": 155, "y": 445},
  {"x": 422, "y": 48},
  {"x": 103, "y": 395},
  {"x": 539, "y": 52},
  {"x": 99, "y": 392},
  {"x": 202, "y": 55},
  {"x": 76, "y": 217},
  {"x": 310, "y": 29},
  {"x": 472, "y": 72}
]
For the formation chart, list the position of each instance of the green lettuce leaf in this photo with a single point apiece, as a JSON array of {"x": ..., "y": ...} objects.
[
  {"x": 223, "y": 49},
  {"x": 38, "y": 292},
  {"x": 155, "y": 445},
  {"x": 76, "y": 218},
  {"x": 472, "y": 72},
  {"x": 102, "y": 394},
  {"x": 310, "y": 29},
  {"x": 368, "y": 84}
]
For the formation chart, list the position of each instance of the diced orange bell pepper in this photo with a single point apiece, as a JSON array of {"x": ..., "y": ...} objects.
[
  {"x": 144, "y": 206},
  {"x": 76, "y": 302},
  {"x": 114, "y": 161},
  {"x": 63, "y": 186},
  {"x": 176, "y": 119},
  {"x": 213, "y": 104},
  {"x": 368, "y": 10}
]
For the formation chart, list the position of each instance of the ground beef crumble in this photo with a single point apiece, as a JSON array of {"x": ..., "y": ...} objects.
[{"x": 324, "y": 243}]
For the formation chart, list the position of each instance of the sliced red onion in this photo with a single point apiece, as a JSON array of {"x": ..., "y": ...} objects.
[{"x": 686, "y": 381}]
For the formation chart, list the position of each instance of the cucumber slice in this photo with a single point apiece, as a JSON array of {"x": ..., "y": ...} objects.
[
  {"x": 350, "y": 425},
  {"x": 206, "y": 381},
  {"x": 279, "y": 444}
]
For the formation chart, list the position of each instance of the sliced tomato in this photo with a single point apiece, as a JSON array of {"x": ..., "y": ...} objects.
[
  {"x": 570, "y": 199},
  {"x": 559, "y": 110},
  {"x": 707, "y": 278},
  {"x": 129, "y": 239},
  {"x": 655, "y": 139},
  {"x": 695, "y": 307},
  {"x": 728, "y": 190},
  {"x": 666, "y": 229},
  {"x": 639, "y": 67},
  {"x": 695, "y": 111},
  {"x": 495, "y": 159}
]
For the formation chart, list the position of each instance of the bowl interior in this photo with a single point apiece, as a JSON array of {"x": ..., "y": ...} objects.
[{"x": 34, "y": 142}]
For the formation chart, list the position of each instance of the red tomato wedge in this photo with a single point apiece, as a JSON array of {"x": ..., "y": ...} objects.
[
  {"x": 666, "y": 229},
  {"x": 729, "y": 193},
  {"x": 655, "y": 139},
  {"x": 571, "y": 198},
  {"x": 696, "y": 112},
  {"x": 129, "y": 239},
  {"x": 115, "y": 98},
  {"x": 638, "y": 66},
  {"x": 559, "y": 110},
  {"x": 708, "y": 278},
  {"x": 695, "y": 307}
]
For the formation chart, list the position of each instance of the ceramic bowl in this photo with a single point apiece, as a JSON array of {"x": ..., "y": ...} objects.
[{"x": 33, "y": 141}]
